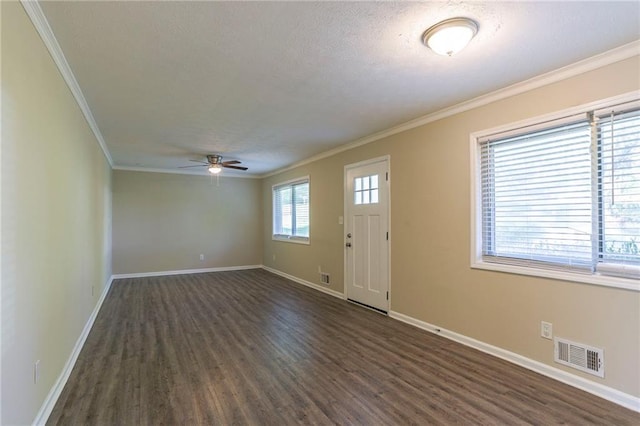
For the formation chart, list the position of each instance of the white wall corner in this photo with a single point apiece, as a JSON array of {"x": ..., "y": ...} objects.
[{"x": 621, "y": 398}]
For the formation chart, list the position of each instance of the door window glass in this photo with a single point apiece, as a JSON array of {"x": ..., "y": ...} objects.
[{"x": 365, "y": 190}]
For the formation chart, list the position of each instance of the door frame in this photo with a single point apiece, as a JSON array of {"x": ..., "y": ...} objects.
[{"x": 387, "y": 160}]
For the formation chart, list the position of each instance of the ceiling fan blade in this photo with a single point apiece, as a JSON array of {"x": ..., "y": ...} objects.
[
  {"x": 187, "y": 167},
  {"x": 231, "y": 162},
  {"x": 235, "y": 167},
  {"x": 198, "y": 161}
]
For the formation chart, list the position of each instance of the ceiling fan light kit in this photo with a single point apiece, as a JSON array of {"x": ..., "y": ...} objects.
[
  {"x": 215, "y": 169},
  {"x": 450, "y": 36}
]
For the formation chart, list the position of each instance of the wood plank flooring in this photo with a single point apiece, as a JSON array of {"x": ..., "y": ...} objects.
[{"x": 249, "y": 347}]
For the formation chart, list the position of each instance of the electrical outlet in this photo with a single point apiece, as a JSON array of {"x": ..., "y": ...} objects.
[
  {"x": 36, "y": 372},
  {"x": 546, "y": 330},
  {"x": 274, "y": 257},
  {"x": 202, "y": 257}
]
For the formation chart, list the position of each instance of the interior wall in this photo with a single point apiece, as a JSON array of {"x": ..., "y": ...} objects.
[
  {"x": 164, "y": 222},
  {"x": 56, "y": 204},
  {"x": 431, "y": 278},
  {"x": 325, "y": 234}
]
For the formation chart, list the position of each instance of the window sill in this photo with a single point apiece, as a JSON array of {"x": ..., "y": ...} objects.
[
  {"x": 286, "y": 239},
  {"x": 596, "y": 279}
]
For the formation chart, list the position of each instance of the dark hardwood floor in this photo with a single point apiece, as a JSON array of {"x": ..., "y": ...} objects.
[{"x": 250, "y": 347}]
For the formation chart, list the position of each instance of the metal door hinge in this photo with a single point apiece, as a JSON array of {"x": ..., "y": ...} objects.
[
  {"x": 386, "y": 176},
  {"x": 387, "y": 295},
  {"x": 387, "y": 236}
]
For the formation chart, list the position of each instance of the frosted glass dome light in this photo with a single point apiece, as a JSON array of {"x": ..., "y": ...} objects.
[
  {"x": 450, "y": 36},
  {"x": 215, "y": 169}
]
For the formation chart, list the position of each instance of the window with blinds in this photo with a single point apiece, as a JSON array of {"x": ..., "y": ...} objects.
[
  {"x": 618, "y": 192},
  {"x": 564, "y": 194},
  {"x": 291, "y": 210}
]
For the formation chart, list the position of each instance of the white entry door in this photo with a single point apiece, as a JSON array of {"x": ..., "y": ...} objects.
[{"x": 367, "y": 233}]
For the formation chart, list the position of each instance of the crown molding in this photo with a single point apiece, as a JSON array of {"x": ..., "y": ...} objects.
[
  {"x": 598, "y": 61},
  {"x": 34, "y": 11}
]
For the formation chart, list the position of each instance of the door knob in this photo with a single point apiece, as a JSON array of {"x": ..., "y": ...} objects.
[
  {"x": 348, "y": 244},
  {"x": 349, "y": 235}
]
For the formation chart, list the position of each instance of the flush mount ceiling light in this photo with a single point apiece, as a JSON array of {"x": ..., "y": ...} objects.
[{"x": 450, "y": 36}]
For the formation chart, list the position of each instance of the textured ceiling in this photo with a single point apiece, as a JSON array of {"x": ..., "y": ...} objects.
[{"x": 273, "y": 83}]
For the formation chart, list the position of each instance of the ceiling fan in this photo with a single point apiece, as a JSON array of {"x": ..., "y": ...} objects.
[{"x": 215, "y": 164}]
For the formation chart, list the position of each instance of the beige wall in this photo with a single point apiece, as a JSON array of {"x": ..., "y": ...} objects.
[
  {"x": 431, "y": 279},
  {"x": 56, "y": 228},
  {"x": 56, "y": 203},
  {"x": 163, "y": 222}
]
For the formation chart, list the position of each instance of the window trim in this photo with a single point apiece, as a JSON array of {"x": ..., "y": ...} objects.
[
  {"x": 476, "y": 261},
  {"x": 290, "y": 238}
]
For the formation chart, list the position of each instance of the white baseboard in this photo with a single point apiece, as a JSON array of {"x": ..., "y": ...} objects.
[
  {"x": 602, "y": 391},
  {"x": 185, "y": 271},
  {"x": 56, "y": 390},
  {"x": 305, "y": 282},
  {"x": 605, "y": 392}
]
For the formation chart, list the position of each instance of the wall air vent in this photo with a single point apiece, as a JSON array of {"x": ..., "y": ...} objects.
[{"x": 579, "y": 356}]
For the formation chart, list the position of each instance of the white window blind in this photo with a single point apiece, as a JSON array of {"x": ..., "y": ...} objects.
[
  {"x": 618, "y": 203},
  {"x": 291, "y": 210},
  {"x": 537, "y": 197},
  {"x": 564, "y": 194}
]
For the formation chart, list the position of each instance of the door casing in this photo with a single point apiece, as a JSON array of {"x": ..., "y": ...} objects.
[{"x": 387, "y": 160}]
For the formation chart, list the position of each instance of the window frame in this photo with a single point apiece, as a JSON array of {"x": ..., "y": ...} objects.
[
  {"x": 297, "y": 239},
  {"x": 476, "y": 260}
]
